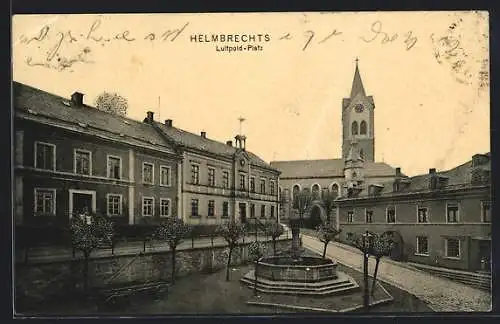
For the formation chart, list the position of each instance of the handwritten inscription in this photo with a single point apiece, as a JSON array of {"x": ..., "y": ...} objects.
[
  {"x": 94, "y": 34},
  {"x": 377, "y": 34}
]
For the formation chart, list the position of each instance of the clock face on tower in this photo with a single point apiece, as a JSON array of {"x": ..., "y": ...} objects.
[{"x": 359, "y": 108}]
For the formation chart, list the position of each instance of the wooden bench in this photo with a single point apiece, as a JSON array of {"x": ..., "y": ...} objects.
[{"x": 120, "y": 296}]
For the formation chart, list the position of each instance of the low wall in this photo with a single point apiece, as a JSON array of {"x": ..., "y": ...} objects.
[{"x": 39, "y": 282}]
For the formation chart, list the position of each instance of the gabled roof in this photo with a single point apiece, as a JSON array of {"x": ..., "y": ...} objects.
[
  {"x": 31, "y": 100},
  {"x": 458, "y": 177},
  {"x": 41, "y": 104},
  {"x": 327, "y": 168},
  {"x": 194, "y": 141}
]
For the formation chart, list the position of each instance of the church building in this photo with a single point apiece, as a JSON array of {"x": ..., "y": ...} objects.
[{"x": 357, "y": 166}]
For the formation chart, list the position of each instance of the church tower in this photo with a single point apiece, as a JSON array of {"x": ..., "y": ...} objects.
[{"x": 358, "y": 120}]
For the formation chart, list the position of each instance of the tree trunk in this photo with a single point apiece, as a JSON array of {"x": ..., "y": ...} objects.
[
  {"x": 377, "y": 260},
  {"x": 85, "y": 271},
  {"x": 255, "y": 279},
  {"x": 295, "y": 240},
  {"x": 229, "y": 262},
  {"x": 274, "y": 246},
  {"x": 366, "y": 294},
  {"x": 324, "y": 249},
  {"x": 174, "y": 252}
]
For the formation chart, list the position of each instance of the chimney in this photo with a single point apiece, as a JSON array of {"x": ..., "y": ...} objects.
[
  {"x": 150, "y": 116},
  {"x": 168, "y": 122},
  {"x": 432, "y": 171},
  {"x": 398, "y": 172},
  {"x": 433, "y": 183},
  {"x": 229, "y": 143},
  {"x": 77, "y": 99},
  {"x": 204, "y": 134}
]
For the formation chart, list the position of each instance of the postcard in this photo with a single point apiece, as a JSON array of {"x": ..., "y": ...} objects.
[{"x": 251, "y": 163}]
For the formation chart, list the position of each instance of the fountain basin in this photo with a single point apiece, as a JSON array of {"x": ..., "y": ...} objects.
[{"x": 304, "y": 270}]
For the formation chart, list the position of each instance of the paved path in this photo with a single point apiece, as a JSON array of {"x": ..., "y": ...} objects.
[
  {"x": 440, "y": 294},
  {"x": 51, "y": 254}
]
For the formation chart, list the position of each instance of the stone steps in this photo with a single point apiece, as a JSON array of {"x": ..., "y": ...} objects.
[
  {"x": 343, "y": 284},
  {"x": 477, "y": 280}
]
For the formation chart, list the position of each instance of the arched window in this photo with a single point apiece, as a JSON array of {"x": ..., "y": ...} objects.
[
  {"x": 362, "y": 128},
  {"x": 361, "y": 153},
  {"x": 295, "y": 192},
  {"x": 354, "y": 128},
  {"x": 335, "y": 190},
  {"x": 354, "y": 174},
  {"x": 316, "y": 191}
]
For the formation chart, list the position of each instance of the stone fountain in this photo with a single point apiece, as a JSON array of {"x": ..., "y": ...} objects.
[{"x": 298, "y": 274}]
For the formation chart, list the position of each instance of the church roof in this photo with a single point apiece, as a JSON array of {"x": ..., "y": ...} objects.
[
  {"x": 327, "y": 168},
  {"x": 357, "y": 84}
]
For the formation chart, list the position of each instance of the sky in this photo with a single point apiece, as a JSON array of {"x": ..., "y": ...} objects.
[{"x": 427, "y": 71}]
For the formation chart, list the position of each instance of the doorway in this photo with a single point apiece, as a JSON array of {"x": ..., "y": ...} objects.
[
  {"x": 243, "y": 212},
  {"x": 484, "y": 255},
  {"x": 79, "y": 200}
]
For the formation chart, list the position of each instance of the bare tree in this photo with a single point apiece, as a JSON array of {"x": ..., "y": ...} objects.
[
  {"x": 88, "y": 233},
  {"x": 274, "y": 230},
  {"x": 381, "y": 246},
  {"x": 173, "y": 231},
  {"x": 112, "y": 102},
  {"x": 256, "y": 252},
  {"x": 328, "y": 201},
  {"x": 301, "y": 202},
  {"x": 326, "y": 233},
  {"x": 231, "y": 232}
]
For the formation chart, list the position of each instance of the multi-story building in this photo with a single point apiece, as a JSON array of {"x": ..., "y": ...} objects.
[
  {"x": 223, "y": 180},
  {"x": 440, "y": 218},
  {"x": 70, "y": 156}
]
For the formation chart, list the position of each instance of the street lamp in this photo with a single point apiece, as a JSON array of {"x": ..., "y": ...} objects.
[{"x": 366, "y": 294}]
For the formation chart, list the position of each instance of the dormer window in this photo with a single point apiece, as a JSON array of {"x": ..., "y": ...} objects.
[{"x": 396, "y": 186}]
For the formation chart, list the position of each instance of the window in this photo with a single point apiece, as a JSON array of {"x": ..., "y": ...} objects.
[
  {"x": 114, "y": 205},
  {"x": 195, "y": 174},
  {"x": 422, "y": 215},
  {"x": 262, "y": 186},
  {"x": 45, "y": 201},
  {"x": 316, "y": 191},
  {"x": 148, "y": 173},
  {"x": 165, "y": 176},
  {"x": 263, "y": 211},
  {"x": 335, "y": 190},
  {"x": 225, "y": 209},
  {"x": 211, "y": 177},
  {"x": 361, "y": 154},
  {"x": 83, "y": 162},
  {"x": 451, "y": 213},
  {"x": 349, "y": 236},
  {"x": 486, "y": 212},
  {"x": 164, "y": 207},
  {"x": 452, "y": 248},
  {"x": 350, "y": 216},
  {"x": 194, "y": 207},
  {"x": 242, "y": 181},
  {"x": 422, "y": 245},
  {"x": 45, "y": 156},
  {"x": 368, "y": 216},
  {"x": 362, "y": 128},
  {"x": 148, "y": 206},
  {"x": 225, "y": 179},
  {"x": 211, "y": 208},
  {"x": 252, "y": 184},
  {"x": 354, "y": 128},
  {"x": 272, "y": 212},
  {"x": 114, "y": 167},
  {"x": 252, "y": 211},
  {"x": 271, "y": 187},
  {"x": 391, "y": 214}
]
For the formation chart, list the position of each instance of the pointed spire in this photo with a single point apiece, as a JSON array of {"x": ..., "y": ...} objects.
[{"x": 357, "y": 84}]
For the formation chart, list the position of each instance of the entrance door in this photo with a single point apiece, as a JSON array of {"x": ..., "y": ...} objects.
[
  {"x": 243, "y": 212},
  {"x": 81, "y": 202},
  {"x": 484, "y": 255}
]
